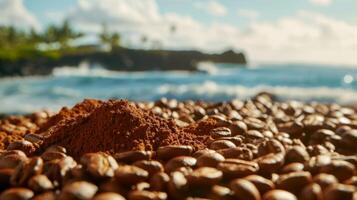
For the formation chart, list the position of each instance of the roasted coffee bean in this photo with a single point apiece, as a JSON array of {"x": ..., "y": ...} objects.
[
  {"x": 159, "y": 181},
  {"x": 311, "y": 192},
  {"x": 146, "y": 195},
  {"x": 141, "y": 186},
  {"x": 270, "y": 162},
  {"x": 222, "y": 144},
  {"x": 316, "y": 163},
  {"x": 209, "y": 159},
  {"x": 219, "y": 192},
  {"x": 40, "y": 183},
  {"x": 351, "y": 181},
  {"x": 45, "y": 196},
  {"x": 349, "y": 139},
  {"x": 292, "y": 167},
  {"x": 325, "y": 180},
  {"x": 341, "y": 169},
  {"x": 297, "y": 154},
  {"x": 254, "y": 134},
  {"x": 22, "y": 145},
  {"x": 16, "y": 194},
  {"x": 99, "y": 165},
  {"x": 52, "y": 155},
  {"x": 167, "y": 152},
  {"x": 34, "y": 138},
  {"x": 244, "y": 189},
  {"x": 26, "y": 170},
  {"x": 132, "y": 156},
  {"x": 339, "y": 192},
  {"x": 270, "y": 146},
  {"x": 238, "y": 128},
  {"x": 78, "y": 190},
  {"x": 237, "y": 152},
  {"x": 177, "y": 186},
  {"x": 56, "y": 148},
  {"x": 10, "y": 159},
  {"x": 128, "y": 174},
  {"x": 220, "y": 132},
  {"x": 202, "y": 152},
  {"x": 57, "y": 169},
  {"x": 279, "y": 195},
  {"x": 151, "y": 166},
  {"x": 236, "y": 168},
  {"x": 254, "y": 123},
  {"x": 204, "y": 176},
  {"x": 113, "y": 186},
  {"x": 262, "y": 184},
  {"x": 293, "y": 182},
  {"x": 180, "y": 161},
  {"x": 108, "y": 196},
  {"x": 5, "y": 175}
]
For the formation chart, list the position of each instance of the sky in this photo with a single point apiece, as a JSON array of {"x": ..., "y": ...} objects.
[{"x": 268, "y": 31}]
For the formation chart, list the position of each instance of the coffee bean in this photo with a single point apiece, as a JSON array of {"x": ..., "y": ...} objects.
[
  {"x": 132, "y": 156},
  {"x": 339, "y": 192},
  {"x": 56, "y": 148},
  {"x": 279, "y": 195},
  {"x": 254, "y": 123},
  {"x": 40, "y": 183},
  {"x": 238, "y": 128},
  {"x": 244, "y": 189},
  {"x": 52, "y": 155},
  {"x": 237, "y": 152},
  {"x": 128, "y": 174},
  {"x": 113, "y": 186},
  {"x": 5, "y": 175},
  {"x": 349, "y": 139},
  {"x": 351, "y": 181},
  {"x": 141, "y": 186},
  {"x": 262, "y": 184},
  {"x": 108, "y": 196},
  {"x": 22, "y": 145},
  {"x": 312, "y": 191},
  {"x": 16, "y": 194},
  {"x": 220, "y": 132},
  {"x": 316, "y": 163},
  {"x": 45, "y": 196},
  {"x": 180, "y": 161},
  {"x": 146, "y": 195},
  {"x": 236, "y": 168},
  {"x": 26, "y": 170},
  {"x": 293, "y": 182},
  {"x": 270, "y": 146},
  {"x": 209, "y": 159},
  {"x": 270, "y": 162},
  {"x": 204, "y": 176},
  {"x": 151, "y": 166},
  {"x": 57, "y": 169},
  {"x": 297, "y": 154},
  {"x": 237, "y": 140},
  {"x": 10, "y": 159},
  {"x": 219, "y": 192},
  {"x": 292, "y": 167},
  {"x": 167, "y": 152},
  {"x": 177, "y": 186},
  {"x": 78, "y": 190},
  {"x": 99, "y": 165},
  {"x": 254, "y": 135},
  {"x": 34, "y": 138},
  {"x": 325, "y": 180},
  {"x": 222, "y": 144},
  {"x": 202, "y": 152},
  {"x": 159, "y": 181},
  {"x": 341, "y": 169}
]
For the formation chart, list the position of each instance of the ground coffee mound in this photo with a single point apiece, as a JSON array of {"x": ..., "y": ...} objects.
[{"x": 116, "y": 126}]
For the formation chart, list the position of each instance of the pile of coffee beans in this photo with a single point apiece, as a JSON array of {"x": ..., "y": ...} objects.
[{"x": 259, "y": 149}]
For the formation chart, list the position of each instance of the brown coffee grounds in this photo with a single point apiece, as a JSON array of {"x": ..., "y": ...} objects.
[
  {"x": 116, "y": 126},
  {"x": 83, "y": 108}
]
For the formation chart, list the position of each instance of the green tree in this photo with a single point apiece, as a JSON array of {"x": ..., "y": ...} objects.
[{"x": 108, "y": 38}]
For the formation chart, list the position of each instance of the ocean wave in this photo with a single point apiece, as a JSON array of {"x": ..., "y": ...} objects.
[{"x": 210, "y": 90}]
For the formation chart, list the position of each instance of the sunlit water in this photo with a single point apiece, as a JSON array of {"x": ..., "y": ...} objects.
[{"x": 66, "y": 86}]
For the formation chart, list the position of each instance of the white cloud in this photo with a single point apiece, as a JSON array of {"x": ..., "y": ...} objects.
[
  {"x": 212, "y": 7},
  {"x": 302, "y": 37},
  {"x": 13, "y": 12},
  {"x": 249, "y": 14},
  {"x": 321, "y": 2}
]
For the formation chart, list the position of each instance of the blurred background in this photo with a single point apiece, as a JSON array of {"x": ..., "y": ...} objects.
[{"x": 55, "y": 53}]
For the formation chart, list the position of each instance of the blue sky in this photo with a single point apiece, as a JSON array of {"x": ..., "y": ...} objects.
[{"x": 311, "y": 31}]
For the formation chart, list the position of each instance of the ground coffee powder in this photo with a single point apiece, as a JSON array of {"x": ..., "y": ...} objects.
[{"x": 116, "y": 126}]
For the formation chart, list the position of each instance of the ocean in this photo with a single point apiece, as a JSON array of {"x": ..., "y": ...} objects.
[{"x": 214, "y": 82}]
